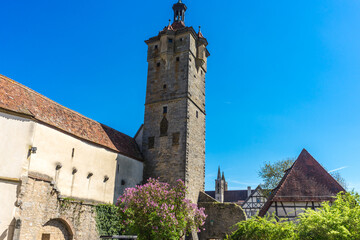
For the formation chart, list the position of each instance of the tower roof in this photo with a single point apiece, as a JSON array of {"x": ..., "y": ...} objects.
[{"x": 305, "y": 180}]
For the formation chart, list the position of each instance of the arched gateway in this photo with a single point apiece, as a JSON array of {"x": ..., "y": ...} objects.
[{"x": 56, "y": 229}]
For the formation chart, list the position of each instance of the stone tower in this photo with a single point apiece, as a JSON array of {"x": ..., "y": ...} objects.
[
  {"x": 220, "y": 187},
  {"x": 174, "y": 123}
]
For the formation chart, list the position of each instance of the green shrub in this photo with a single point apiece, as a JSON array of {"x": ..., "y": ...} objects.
[{"x": 268, "y": 228}]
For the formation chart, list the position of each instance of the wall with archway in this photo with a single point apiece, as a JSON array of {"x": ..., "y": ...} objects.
[
  {"x": 45, "y": 212},
  {"x": 55, "y": 229}
]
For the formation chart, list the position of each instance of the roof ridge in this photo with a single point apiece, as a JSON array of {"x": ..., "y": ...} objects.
[{"x": 44, "y": 97}]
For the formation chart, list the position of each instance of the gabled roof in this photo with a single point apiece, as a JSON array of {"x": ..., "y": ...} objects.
[
  {"x": 258, "y": 188},
  {"x": 232, "y": 195},
  {"x": 17, "y": 98},
  {"x": 306, "y": 180}
]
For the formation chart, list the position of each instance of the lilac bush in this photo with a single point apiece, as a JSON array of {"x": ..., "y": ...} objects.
[{"x": 157, "y": 211}]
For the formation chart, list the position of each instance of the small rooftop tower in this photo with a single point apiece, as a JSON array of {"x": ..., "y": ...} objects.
[{"x": 179, "y": 11}]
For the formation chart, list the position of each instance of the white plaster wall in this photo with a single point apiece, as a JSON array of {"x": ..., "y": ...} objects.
[
  {"x": 55, "y": 147},
  {"x": 16, "y": 135},
  {"x": 130, "y": 171},
  {"x": 8, "y": 196}
]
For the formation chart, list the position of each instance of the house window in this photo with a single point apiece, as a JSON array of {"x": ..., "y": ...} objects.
[
  {"x": 151, "y": 142},
  {"x": 164, "y": 110},
  {"x": 175, "y": 138}
]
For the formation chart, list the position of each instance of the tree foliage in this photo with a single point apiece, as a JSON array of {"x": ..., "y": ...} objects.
[
  {"x": 271, "y": 173},
  {"x": 258, "y": 228},
  {"x": 157, "y": 211},
  {"x": 337, "y": 221},
  {"x": 340, "y": 220}
]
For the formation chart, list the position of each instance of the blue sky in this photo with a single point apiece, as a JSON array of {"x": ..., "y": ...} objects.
[{"x": 282, "y": 75}]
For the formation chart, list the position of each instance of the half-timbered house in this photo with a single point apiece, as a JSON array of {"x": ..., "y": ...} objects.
[
  {"x": 253, "y": 203},
  {"x": 306, "y": 184}
]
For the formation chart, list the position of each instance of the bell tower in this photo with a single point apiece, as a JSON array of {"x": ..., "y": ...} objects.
[{"x": 174, "y": 122}]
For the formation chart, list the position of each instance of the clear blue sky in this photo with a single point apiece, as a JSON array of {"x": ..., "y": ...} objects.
[{"x": 282, "y": 75}]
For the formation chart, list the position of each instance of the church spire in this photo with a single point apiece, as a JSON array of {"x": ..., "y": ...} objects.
[
  {"x": 223, "y": 176},
  {"x": 219, "y": 175},
  {"x": 179, "y": 11}
]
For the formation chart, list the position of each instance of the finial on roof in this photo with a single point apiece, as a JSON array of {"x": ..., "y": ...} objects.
[
  {"x": 179, "y": 11},
  {"x": 199, "y": 33}
]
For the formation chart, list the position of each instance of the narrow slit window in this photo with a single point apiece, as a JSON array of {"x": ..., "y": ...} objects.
[
  {"x": 177, "y": 59},
  {"x": 165, "y": 110},
  {"x": 164, "y": 87},
  {"x": 197, "y": 114},
  {"x": 158, "y": 64},
  {"x": 151, "y": 142}
]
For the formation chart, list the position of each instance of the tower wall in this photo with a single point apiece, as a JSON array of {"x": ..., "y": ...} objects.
[{"x": 176, "y": 81}]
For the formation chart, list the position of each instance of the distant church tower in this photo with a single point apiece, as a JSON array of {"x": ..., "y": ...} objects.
[
  {"x": 174, "y": 125},
  {"x": 220, "y": 187}
]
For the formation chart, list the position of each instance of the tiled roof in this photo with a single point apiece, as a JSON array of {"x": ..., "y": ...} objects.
[
  {"x": 306, "y": 180},
  {"x": 232, "y": 195},
  {"x": 17, "y": 98}
]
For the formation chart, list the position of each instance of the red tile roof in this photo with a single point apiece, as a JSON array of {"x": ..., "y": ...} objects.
[
  {"x": 17, "y": 98},
  {"x": 306, "y": 180}
]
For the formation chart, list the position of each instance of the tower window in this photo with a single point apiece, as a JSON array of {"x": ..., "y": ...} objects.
[
  {"x": 170, "y": 40},
  {"x": 181, "y": 39},
  {"x": 164, "y": 87},
  {"x": 175, "y": 138},
  {"x": 151, "y": 142},
  {"x": 158, "y": 64},
  {"x": 177, "y": 59},
  {"x": 164, "y": 110},
  {"x": 164, "y": 127},
  {"x": 190, "y": 59},
  {"x": 73, "y": 152},
  {"x": 156, "y": 46}
]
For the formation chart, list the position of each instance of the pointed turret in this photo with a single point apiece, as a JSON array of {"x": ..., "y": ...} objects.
[{"x": 223, "y": 176}]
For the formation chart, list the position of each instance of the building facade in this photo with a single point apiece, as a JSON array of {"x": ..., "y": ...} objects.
[
  {"x": 52, "y": 157},
  {"x": 306, "y": 184}
]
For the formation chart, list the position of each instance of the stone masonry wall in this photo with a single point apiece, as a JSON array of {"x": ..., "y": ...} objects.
[
  {"x": 44, "y": 212},
  {"x": 221, "y": 217}
]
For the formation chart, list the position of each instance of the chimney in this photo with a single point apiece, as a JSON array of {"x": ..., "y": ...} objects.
[{"x": 249, "y": 191}]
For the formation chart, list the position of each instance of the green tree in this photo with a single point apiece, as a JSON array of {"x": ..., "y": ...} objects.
[
  {"x": 336, "y": 221},
  {"x": 108, "y": 220},
  {"x": 271, "y": 173},
  {"x": 268, "y": 228}
]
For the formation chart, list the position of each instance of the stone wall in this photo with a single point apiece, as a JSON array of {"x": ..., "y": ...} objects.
[
  {"x": 221, "y": 217},
  {"x": 44, "y": 211}
]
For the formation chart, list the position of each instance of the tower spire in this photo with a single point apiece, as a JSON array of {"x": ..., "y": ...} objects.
[
  {"x": 219, "y": 174},
  {"x": 179, "y": 11},
  {"x": 223, "y": 176}
]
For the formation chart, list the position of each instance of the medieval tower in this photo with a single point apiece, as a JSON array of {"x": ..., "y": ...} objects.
[
  {"x": 220, "y": 187},
  {"x": 174, "y": 122}
]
